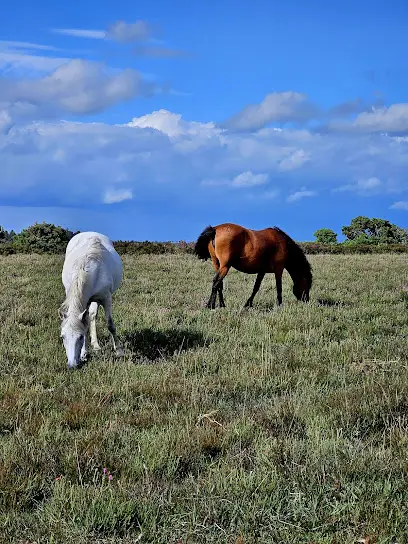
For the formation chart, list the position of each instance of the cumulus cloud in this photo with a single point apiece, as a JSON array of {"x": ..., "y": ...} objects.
[
  {"x": 161, "y": 154},
  {"x": 282, "y": 107},
  {"x": 297, "y": 159},
  {"x": 400, "y": 205},
  {"x": 393, "y": 119},
  {"x": 17, "y": 63},
  {"x": 123, "y": 32},
  {"x": 77, "y": 87},
  {"x": 356, "y": 106},
  {"x": 298, "y": 195},
  {"x": 249, "y": 179},
  {"x": 114, "y": 196},
  {"x": 362, "y": 186}
]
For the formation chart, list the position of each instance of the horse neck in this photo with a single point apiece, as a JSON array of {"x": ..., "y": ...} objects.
[
  {"x": 296, "y": 269},
  {"x": 77, "y": 296}
]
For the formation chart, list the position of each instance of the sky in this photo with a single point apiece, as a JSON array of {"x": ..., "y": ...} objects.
[{"x": 150, "y": 121}]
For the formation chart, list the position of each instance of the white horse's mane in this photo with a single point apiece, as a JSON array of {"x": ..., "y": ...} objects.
[{"x": 74, "y": 303}]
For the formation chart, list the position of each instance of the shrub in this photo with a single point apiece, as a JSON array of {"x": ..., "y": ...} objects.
[
  {"x": 42, "y": 238},
  {"x": 7, "y": 248}
]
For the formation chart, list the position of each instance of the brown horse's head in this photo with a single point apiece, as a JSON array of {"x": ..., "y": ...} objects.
[
  {"x": 298, "y": 267},
  {"x": 301, "y": 287}
]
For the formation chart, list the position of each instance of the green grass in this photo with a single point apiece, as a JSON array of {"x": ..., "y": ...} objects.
[{"x": 231, "y": 426}]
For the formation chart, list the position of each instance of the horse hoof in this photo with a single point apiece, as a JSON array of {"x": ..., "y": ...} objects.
[
  {"x": 119, "y": 352},
  {"x": 96, "y": 348}
]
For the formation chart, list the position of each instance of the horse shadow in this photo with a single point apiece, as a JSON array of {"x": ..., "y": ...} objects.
[{"x": 153, "y": 345}]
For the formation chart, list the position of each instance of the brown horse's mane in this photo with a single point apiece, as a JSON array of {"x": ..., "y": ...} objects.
[{"x": 296, "y": 256}]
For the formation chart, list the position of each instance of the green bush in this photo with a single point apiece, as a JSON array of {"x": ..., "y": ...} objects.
[
  {"x": 312, "y": 248},
  {"x": 42, "y": 238},
  {"x": 156, "y": 248},
  {"x": 7, "y": 248}
]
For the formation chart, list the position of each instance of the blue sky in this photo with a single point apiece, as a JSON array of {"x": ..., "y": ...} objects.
[{"x": 151, "y": 121}]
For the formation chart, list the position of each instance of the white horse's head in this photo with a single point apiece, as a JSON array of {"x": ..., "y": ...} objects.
[{"x": 73, "y": 332}]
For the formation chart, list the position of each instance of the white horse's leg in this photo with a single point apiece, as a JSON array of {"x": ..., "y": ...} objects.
[
  {"x": 93, "y": 313},
  {"x": 107, "y": 305},
  {"x": 85, "y": 345},
  {"x": 84, "y": 350}
]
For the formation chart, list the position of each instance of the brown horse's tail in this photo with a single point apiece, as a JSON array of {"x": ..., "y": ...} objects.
[{"x": 201, "y": 247}]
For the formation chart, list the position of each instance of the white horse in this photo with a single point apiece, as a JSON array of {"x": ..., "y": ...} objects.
[{"x": 92, "y": 272}]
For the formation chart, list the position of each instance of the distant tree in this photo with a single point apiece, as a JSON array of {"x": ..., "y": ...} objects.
[
  {"x": 326, "y": 236},
  {"x": 363, "y": 230},
  {"x": 43, "y": 238},
  {"x": 5, "y": 236}
]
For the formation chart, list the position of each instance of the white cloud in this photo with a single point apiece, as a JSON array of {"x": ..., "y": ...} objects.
[
  {"x": 81, "y": 33},
  {"x": 392, "y": 119},
  {"x": 298, "y": 195},
  {"x": 18, "y": 63},
  {"x": 129, "y": 32},
  {"x": 173, "y": 125},
  {"x": 243, "y": 180},
  {"x": 362, "y": 186},
  {"x": 120, "y": 31},
  {"x": 9, "y": 44},
  {"x": 274, "y": 108},
  {"x": 400, "y": 205},
  {"x": 297, "y": 159},
  {"x": 77, "y": 87},
  {"x": 249, "y": 179},
  {"x": 114, "y": 196},
  {"x": 163, "y": 156}
]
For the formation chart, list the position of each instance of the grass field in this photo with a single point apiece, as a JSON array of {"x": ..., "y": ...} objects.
[{"x": 231, "y": 426}]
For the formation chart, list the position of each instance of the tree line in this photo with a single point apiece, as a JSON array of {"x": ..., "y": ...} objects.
[
  {"x": 363, "y": 235},
  {"x": 363, "y": 230}
]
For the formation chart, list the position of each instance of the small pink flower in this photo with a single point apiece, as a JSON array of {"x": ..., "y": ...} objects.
[
  {"x": 110, "y": 477},
  {"x": 105, "y": 470}
]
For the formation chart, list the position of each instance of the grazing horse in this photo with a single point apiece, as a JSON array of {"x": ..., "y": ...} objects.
[
  {"x": 92, "y": 272},
  {"x": 254, "y": 252}
]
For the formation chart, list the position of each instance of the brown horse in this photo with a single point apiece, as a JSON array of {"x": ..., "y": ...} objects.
[{"x": 254, "y": 252}]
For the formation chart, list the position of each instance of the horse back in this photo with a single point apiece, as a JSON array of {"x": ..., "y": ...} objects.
[
  {"x": 249, "y": 251},
  {"x": 95, "y": 252}
]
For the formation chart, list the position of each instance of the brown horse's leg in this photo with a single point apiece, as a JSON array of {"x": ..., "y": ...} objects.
[
  {"x": 220, "y": 294},
  {"x": 216, "y": 264},
  {"x": 257, "y": 285},
  {"x": 278, "y": 278},
  {"x": 217, "y": 281}
]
